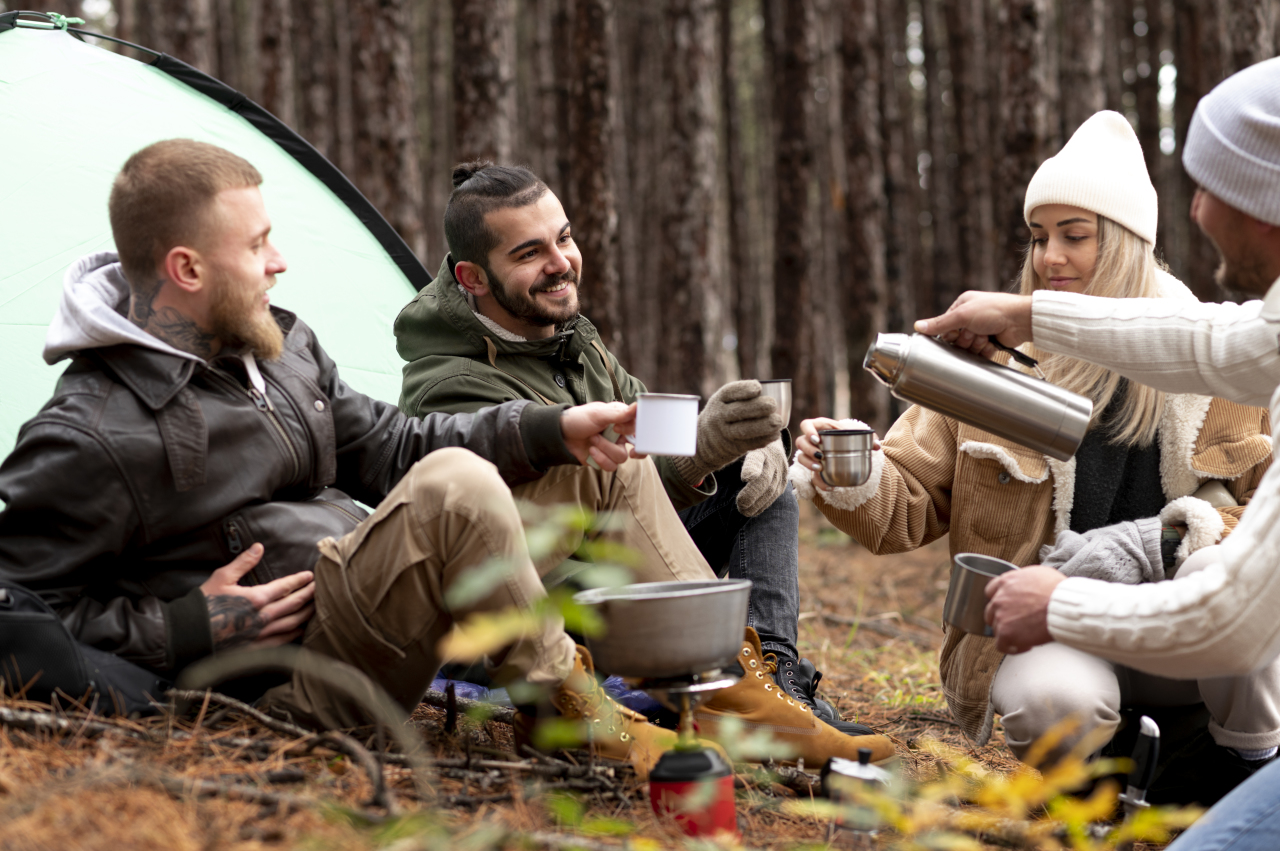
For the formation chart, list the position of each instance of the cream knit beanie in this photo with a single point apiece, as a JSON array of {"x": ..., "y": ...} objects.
[
  {"x": 1101, "y": 170},
  {"x": 1233, "y": 145}
]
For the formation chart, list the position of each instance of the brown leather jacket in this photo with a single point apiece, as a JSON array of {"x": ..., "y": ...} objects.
[{"x": 145, "y": 472}]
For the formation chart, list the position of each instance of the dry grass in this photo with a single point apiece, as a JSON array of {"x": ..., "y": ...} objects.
[{"x": 110, "y": 791}]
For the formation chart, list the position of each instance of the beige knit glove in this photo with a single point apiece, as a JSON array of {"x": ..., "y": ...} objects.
[
  {"x": 764, "y": 472},
  {"x": 736, "y": 420}
]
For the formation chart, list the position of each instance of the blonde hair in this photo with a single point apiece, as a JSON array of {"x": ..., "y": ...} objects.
[{"x": 1126, "y": 268}]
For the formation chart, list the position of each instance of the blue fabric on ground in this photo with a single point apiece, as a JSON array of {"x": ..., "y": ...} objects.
[
  {"x": 471, "y": 691},
  {"x": 635, "y": 699}
]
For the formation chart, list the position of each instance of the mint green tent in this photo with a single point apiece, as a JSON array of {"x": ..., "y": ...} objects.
[{"x": 72, "y": 112}]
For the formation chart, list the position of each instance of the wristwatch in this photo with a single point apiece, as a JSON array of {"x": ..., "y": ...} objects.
[{"x": 1170, "y": 540}]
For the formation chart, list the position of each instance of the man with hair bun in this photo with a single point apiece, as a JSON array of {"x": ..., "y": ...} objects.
[
  {"x": 501, "y": 321},
  {"x": 1221, "y": 619}
]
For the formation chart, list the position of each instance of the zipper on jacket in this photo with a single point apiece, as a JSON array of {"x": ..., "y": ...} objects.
[
  {"x": 337, "y": 507},
  {"x": 263, "y": 404}
]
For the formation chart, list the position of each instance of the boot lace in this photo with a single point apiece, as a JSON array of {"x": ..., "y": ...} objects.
[{"x": 791, "y": 694}]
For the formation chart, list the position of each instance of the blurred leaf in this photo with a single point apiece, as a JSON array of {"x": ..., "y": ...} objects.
[
  {"x": 565, "y": 809},
  {"x": 484, "y": 633},
  {"x": 478, "y": 582},
  {"x": 604, "y": 575},
  {"x": 604, "y": 826},
  {"x": 554, "y": 733},
  {"x": 584, "y": 620},
  {"x": 481, "y": 712},
  {"x": 757, "y": 747}
]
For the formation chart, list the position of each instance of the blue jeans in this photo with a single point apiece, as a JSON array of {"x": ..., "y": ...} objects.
[
  {"x": 1248, "y": 819},
  {"x": 764, "y": 549}
]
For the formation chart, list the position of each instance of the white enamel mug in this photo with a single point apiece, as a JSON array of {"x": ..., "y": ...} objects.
[{"x": 666, "y": 424}]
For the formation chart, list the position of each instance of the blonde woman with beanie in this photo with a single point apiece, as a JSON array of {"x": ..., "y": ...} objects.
[{"x": 1158, "y": 477}]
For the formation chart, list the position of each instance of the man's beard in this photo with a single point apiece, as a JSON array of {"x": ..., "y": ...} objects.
[
  {"x": 526, "y": 307},
  {"x": 1243, "y": 277},
  {"x": 238, "y": 319}
]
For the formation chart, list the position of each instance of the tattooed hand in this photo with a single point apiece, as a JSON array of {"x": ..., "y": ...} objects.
[{"x": 256, "y": 616}]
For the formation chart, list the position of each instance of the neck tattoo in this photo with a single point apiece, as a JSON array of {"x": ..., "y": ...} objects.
[{"x": 168, "y": 323}]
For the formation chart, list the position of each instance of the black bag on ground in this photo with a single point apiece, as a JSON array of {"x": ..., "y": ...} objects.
[{"x": 38, "y": 653}]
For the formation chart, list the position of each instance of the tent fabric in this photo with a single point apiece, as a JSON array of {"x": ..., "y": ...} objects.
[{"x": 72, "y": 113}]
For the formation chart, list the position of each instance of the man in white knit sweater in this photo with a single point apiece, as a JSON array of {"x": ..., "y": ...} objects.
[{"x": 1224, "y": 618}]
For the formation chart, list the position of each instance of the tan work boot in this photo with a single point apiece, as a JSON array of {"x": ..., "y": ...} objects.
[
  {"x": 610, "y": 729},
  {"x": 759, "y": 704}
]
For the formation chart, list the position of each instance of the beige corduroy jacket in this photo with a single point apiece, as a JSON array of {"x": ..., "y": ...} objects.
[{"x": 935, "y": 475}]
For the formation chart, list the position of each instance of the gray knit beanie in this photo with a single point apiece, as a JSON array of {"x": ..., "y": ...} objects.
[{"x": 1233, "y": 145}]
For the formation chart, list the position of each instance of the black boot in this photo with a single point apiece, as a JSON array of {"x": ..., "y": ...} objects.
[{"x": 799, "y": 681}]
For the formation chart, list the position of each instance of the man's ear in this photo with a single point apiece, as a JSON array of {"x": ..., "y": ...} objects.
[
  {"x": 472, "y": 277},
  {"x": 184, "y": 267}
]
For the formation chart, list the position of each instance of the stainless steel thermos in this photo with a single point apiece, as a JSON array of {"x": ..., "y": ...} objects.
[{"x": 985, "y": 395}]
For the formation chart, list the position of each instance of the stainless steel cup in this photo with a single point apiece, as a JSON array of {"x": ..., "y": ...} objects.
[
  {"x": 779, "y": 390},
  {"x": 967, "y": 593},
  {"x": 846, "y": 456}
]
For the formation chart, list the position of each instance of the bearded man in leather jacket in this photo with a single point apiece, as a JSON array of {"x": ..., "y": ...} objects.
[{"x": 191, "y": 486}]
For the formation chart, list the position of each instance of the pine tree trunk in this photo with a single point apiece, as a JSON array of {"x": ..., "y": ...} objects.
[
  {"x": 314, "y": 49},
  {"x": 275, "y": 61},
  {"x": 1022, "y": 26},
  {"x": 902, "y": 185},
  {"x": 592, "y": 200},
  {"x": 743, "y": 288},
  {"x": 792, "y": 67},
  {"x": 691, "y": 275},
  {"x": 386, "y": 136},
  {"x": 1146, "y": 86},
  {"x": 1083, "y": 85},
  {"x": 1201, "y": 65},
  {"x": 483, "y": 88},
  {"x": 967, "y": 40},
  {"x": 863, "y": 286},
  {"x": 1249, "y": 29},
  {"x": 943, "y": 174}
]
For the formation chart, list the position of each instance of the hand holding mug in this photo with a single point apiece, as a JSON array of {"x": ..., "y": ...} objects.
[{"x": 809, "y": 447}]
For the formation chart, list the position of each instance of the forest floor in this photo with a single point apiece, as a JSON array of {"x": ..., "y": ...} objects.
[{"x": 216, "y": 779}]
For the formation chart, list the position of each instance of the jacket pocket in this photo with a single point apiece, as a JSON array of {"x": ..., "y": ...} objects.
[{"x": 289, "y": 532}]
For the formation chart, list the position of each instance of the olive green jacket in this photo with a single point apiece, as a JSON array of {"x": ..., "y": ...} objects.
[{"x": 455, "y": 364}]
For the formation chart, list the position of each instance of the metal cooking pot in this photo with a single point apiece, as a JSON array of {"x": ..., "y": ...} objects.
[{"x": 668, "y": 629}]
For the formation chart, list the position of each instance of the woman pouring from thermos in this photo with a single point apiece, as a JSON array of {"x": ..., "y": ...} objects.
[{"x": 1122, "y": 509}]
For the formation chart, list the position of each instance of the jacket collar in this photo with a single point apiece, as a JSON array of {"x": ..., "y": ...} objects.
[
  {"x": 156, "y": 377},
  {"x": 568, "y": 342}
]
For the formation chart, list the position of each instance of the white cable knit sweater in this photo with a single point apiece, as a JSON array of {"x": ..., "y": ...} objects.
[{"x": 1224, "y": 620}]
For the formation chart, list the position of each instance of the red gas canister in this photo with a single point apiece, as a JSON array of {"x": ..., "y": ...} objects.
[{"x": 696, "y": 788}]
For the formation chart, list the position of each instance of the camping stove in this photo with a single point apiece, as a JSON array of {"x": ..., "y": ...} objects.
[{"x": 690, "y": 783}]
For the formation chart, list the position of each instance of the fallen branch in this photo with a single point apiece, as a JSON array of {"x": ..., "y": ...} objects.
[
  {"x": 878, "y": 627},
  {"x": 339, "y": 742},
  {"x": 48, "y": 722},
  {"x": 440, "y": 700}
]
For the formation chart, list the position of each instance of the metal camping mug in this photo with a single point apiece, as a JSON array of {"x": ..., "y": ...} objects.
[
  {"x": 779, "y": 390},
  {"x": 846, "y": 456},
  {"x": 1018, "y": 407},
  {"x": 967, "y": 593}
]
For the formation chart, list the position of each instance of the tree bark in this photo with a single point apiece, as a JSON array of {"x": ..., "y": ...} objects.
[
  {"x": 691, "y": 276},
  {"x": 386, "y": 137},
  {"x": 593, "y": 204},
  {"x": 944, "y": 282},
  {"x": 902, "y": 184},
  {"x": 742, "y": 288},
  {"x": 277, "y": 86},
  {"x": 1083, "y": 85},
  {"x": 1146, "y": 86},
  {"x": 483, "y": 90},
  {"x": 1022, "y": 25},
  {"x": 314, "y": 48},
  {"x": 1201, "y": 65},
  {"x": 863, "y": 285},
  {"x": 967, "y": 39},
  {"x": 1248, "y": 28},
  {"x": 789, "y": 40}
]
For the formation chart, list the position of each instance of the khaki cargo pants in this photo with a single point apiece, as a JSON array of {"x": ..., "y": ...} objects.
[{"x": 381, "y": 590}]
